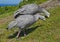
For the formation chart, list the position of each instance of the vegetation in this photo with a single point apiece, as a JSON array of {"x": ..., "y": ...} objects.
[
  {"x": 6, "y": 9},
  {"x": 41, "y": 31}
]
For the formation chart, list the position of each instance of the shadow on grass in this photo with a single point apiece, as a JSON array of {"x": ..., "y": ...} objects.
[{"x": 21, "y": 34}]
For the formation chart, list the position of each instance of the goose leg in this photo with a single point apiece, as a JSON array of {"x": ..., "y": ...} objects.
[{"x": 18, "y": 34}]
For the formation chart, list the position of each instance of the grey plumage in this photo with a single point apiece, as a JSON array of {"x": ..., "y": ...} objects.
[
  {"x": 24, "y": 21},
  {"x": 30, "y": 9}
]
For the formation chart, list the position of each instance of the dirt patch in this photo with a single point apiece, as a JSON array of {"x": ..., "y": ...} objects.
[
  {"x": 49, "y": 4},
  {"x": 5, "y": 20}
]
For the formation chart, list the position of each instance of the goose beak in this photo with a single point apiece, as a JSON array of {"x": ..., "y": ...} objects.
[
  {"x": 47, "y": 16},
  {"x": 44, "y": 19}
]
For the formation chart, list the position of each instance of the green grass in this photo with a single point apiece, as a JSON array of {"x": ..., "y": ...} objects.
[{"x": 47, "y": 31}]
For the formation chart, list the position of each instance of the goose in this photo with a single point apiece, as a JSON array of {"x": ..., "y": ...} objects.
[
  {"x": 24, "y": 21},
  {"x": 31, "y": 9}
]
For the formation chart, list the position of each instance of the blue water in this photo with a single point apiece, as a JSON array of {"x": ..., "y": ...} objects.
[{"x": 9, "y": 2}]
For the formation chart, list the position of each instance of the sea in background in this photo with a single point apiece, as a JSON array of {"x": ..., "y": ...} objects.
[{"x": 9, "y": 2}]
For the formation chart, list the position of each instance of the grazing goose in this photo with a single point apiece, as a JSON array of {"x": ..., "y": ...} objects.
[
  {"x": 24, "y": 21},
  {"x": 30, "y": 9}
]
